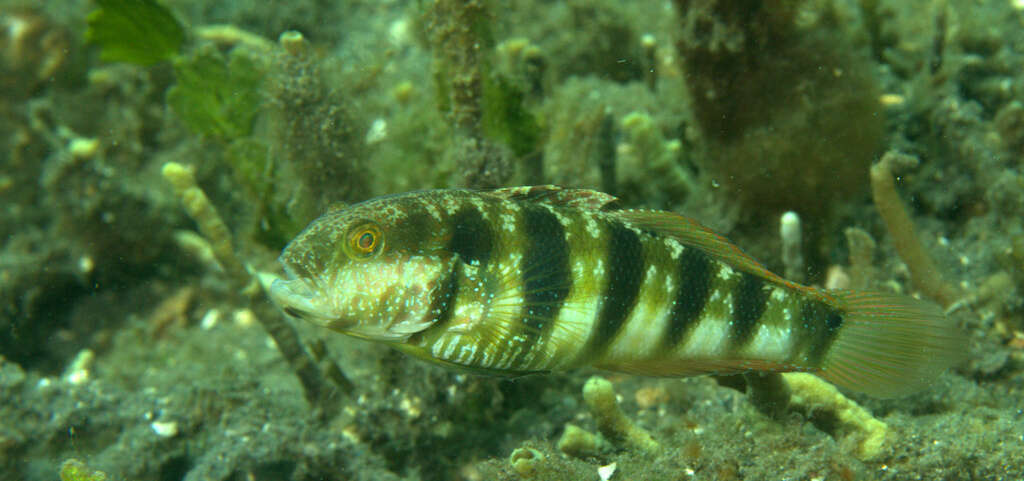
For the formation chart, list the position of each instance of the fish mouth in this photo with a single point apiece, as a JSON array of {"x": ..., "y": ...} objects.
[{"x": 298, "y": 299}]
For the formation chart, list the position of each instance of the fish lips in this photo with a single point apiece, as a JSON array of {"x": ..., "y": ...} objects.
[{"x": 297, "y": 299}]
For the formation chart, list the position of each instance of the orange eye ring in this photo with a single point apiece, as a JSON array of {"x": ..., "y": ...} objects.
[{"x": 365, "y": 240}]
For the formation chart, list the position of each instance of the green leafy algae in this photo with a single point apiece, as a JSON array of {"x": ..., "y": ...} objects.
[
  {"x": 217, "y": 96},
  {"x": 141, "y": 32}
]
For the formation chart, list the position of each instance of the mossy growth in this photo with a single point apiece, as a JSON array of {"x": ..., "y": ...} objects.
[
  {"x": 484, "y": 107},
  {"x": 142, "y": 32},
  {"x": 506, "y": 119},
  {"x": 319, "y": 127},
  {"x": 75, "y": 470},
  {"x": 785, "y": 95},
  {"x": 649, "y": 165}
]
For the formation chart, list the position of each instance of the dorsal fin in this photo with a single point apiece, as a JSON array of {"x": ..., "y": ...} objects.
[
  {"x": 560, "y": 196},
  {"x": 691, "y": 233}
]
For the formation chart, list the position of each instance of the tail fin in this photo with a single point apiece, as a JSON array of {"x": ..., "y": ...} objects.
[{"x": 889, "y": 344}]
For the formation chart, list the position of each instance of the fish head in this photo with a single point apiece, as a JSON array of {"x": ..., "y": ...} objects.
[{"x": 370, "y": 270}]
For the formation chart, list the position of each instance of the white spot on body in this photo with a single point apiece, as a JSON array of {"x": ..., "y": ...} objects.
[
  {"x": 508, "y": 221},
  {"x": 652, "y": 271},
  {"x": 467, "y": 315},
  {"x": 579, "y": 268},
  {"x": 450, "y": 204},
  {"x": 675, "y": 249},
  {"x": 432, "y": 210},
  {"x": 480, "y": 206},
  {"x": 592, "y": 228},
  {"x": 725, "y": 272},
  {"x": 562, "y": 218}
]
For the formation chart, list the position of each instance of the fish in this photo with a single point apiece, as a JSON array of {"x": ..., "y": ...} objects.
[{"x": 536, "y": 279}]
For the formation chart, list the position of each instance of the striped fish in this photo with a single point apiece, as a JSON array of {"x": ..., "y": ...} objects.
[{"x": 535, "y": 279}]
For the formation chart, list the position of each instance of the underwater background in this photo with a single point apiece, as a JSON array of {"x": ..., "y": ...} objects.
[{"x": 155, "y": 157}]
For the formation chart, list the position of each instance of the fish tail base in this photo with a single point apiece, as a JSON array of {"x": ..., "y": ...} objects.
[{"x": 890, "y": 345}]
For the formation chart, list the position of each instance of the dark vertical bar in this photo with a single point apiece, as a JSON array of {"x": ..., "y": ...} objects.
[
  {"x": 625, "y": 271},
  {"x": 694, "y": 271},
  {"x": 546, "y": 277},
  {"x": 749, "y": 301}
]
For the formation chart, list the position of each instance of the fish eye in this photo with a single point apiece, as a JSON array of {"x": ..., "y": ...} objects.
[{"x": 365, "y": 239}]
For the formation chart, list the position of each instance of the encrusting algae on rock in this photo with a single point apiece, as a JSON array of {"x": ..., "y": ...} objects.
[{"x": 535, "y": 279}]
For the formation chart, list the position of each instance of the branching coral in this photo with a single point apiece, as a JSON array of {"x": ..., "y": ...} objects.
[
  {"x": 210, "y": 224},
  {"x": 599, "y": 395},
  {"x": 904, "y": 238}
]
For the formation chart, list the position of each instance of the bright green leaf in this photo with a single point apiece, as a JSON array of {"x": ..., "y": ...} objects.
[{"x": 142, "y": 32}]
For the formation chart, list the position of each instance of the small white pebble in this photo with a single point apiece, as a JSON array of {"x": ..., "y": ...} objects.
[
  {"x": 648, "y": 40},
  {"x": 78, "y": 377},
  {"x": 411, "y": 406},
  {"x": 77, "y": 372},
  {"x": 164, "y": 429},
  {"x": 398, "y": 32},
  {"x": 244, "y": 318},
  {"x": 210, "y": 319},
  {"x": 606, "y": 472},
  {"x": 378, "y": 132},
  {"x": 86, "y": 264},
  {"x": 892, "y": 100},
  {"x": 83, "y": 148},
  {"x": 351, "y": 433}
]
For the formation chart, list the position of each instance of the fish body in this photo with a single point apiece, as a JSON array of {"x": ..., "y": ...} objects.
[{"x": 536, "y": 279}]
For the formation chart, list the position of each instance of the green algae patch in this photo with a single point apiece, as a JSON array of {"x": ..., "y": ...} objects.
[
  {"x": 141, "y": 32},
  {"x": 75, "y": 470},
  {"x": 506, "y": 119},
  {"x": 215, "y": 95}
]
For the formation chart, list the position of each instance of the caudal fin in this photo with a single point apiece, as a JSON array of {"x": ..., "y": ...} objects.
[{"x": 889, "y": 344}]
